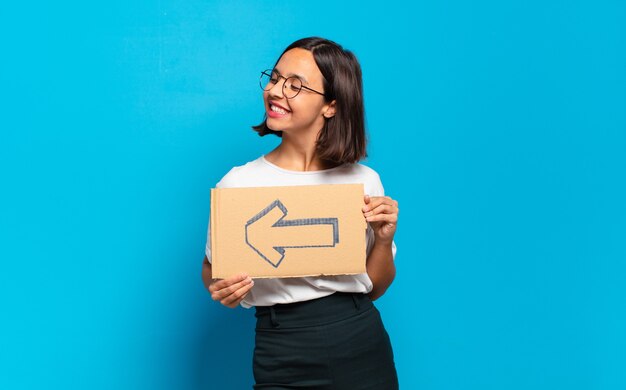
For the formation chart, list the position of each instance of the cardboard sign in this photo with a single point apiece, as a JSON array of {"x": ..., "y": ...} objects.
[{"x": 287, "y": 231}]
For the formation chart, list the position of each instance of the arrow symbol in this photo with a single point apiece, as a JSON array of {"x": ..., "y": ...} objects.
[{"x": 268, "y": 233}]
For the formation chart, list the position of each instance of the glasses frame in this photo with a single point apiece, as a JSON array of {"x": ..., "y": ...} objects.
[{"x": 268, "y": 73}]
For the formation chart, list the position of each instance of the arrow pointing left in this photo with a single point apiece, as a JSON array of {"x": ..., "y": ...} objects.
[{"x": 268, "y": 233}]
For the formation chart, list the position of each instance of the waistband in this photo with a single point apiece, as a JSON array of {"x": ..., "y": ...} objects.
[{"x": 334, "y": 307}]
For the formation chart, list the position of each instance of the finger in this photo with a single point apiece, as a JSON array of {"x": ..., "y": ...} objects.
[
  {"x": 373, "y": 202},
  {"x": 235, "y": 301},
  {"x": 389, "y": 199},
  {"x": 389, "y": 218},
  {"x": 237, "y": 296},
  {"x": 378, "y": 200},
  {"x": 370, "y": 202},
  {"x": 222, "y": 283},
  {"x": 238, "y": 301},
  {"x": 226, "y": 291},
  {"x": 381, "y": 209}
]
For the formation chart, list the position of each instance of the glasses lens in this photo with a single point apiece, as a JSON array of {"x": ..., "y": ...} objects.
[
  {"x": 292, "y": 87},
  {"x": 267, "y": 81}
]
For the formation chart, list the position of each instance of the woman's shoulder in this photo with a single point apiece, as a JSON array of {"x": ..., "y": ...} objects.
[
  {"x": 367, "y": 175},
  {"x": 239, "y": 173},
  {"x": 363, "y": 169}
]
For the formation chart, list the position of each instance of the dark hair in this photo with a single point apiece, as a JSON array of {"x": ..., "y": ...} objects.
[{"x": 342, "y": 138}]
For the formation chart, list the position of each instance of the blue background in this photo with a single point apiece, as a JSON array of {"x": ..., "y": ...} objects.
[{"x": 500, "y": 127}]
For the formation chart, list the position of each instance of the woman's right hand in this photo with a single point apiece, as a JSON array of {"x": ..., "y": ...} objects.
[{"x": 230, "y": 292}]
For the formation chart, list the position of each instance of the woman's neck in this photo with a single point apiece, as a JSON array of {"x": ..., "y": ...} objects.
[{"x": 296, "y": 156}]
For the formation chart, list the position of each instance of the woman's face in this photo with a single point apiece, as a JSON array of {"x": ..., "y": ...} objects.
[{"x": 305, "y": 112}]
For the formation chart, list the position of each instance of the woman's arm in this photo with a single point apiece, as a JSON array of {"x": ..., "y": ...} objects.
[
  {"x": 207, "y": 273},
  {"x": 380, "y": 268},
  {"x": 382, "y": 214}
]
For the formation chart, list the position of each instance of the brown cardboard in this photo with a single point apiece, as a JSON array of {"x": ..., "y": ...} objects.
[{"x": 287, "y": 231}]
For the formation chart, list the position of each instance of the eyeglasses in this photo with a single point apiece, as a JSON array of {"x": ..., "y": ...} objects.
[{"x": 291, "y": 87}]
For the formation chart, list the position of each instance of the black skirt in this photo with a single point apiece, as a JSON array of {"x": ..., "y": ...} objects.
[{"x": 335, "y": 342}]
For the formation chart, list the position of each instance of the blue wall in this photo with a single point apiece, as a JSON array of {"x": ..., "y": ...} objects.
[{"x": 499, "y": 126}]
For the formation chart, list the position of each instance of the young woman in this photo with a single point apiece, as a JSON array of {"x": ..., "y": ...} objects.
[{"x": 317, "y": 332}]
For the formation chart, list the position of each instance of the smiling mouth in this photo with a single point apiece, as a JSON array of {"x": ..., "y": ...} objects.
[{"x": 278, "y": 110}]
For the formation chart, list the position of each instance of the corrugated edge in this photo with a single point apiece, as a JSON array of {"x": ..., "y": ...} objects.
[
  {"x": 307, "y": 275},
  {"x": 214, "y": 203},
  {"x": 364, "y": 224}
]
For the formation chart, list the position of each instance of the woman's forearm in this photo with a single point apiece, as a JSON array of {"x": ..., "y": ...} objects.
[
  {"x": 380, "y": 268},
  {"x": 207, "y": 273}
]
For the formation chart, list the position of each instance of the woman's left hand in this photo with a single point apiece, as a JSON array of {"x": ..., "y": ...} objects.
[{"x": 382, "y": 214}]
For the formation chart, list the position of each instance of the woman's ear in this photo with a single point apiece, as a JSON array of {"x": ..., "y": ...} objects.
[{"x": 329, "y": 110}]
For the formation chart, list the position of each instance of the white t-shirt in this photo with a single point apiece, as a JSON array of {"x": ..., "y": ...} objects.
[{"x": 262, "y": 173}]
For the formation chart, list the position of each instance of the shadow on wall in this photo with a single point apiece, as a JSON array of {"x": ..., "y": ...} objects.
[{"x": 225, "y": 347}]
